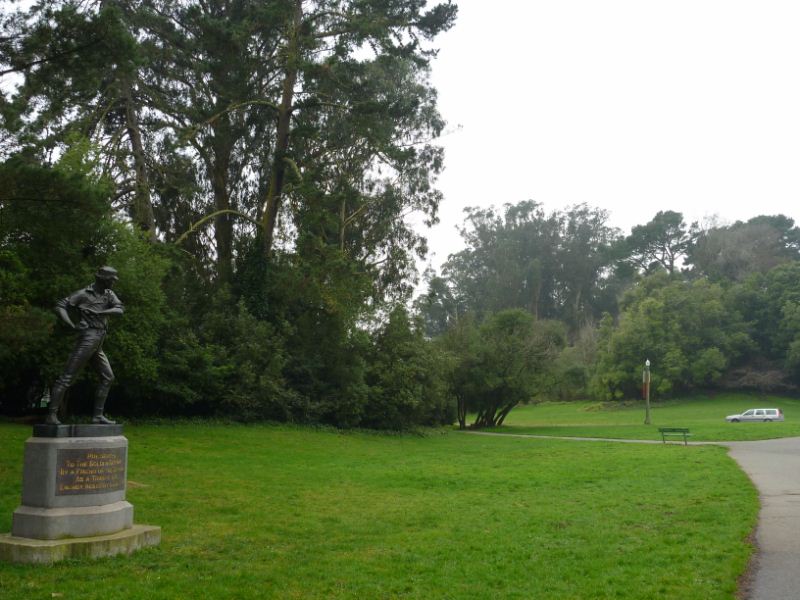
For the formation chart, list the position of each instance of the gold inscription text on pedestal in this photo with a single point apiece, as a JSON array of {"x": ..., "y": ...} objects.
[{"x": 90, "y": 471}]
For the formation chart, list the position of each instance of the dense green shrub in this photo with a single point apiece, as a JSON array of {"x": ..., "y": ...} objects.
[
  {"x": 572, "y": 369},
  {"x": 406, "y": 378},
  {"x": 503, "y": 362},
  {"x": 771, "y": 302},
  {"x": 229, "y": 364},
  {"x": 50, "y": 228},
  {"x": 684, "y": 328}
]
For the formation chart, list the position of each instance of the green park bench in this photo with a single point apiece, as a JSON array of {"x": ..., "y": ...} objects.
[{"x": 678, "y": 431}]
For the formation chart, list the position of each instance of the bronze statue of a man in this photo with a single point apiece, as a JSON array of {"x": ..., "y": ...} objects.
[{"x": 94, "y": 303}]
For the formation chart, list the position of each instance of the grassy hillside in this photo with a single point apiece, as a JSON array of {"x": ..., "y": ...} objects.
[
  {"x": 704, "y": 415},
  {"x": 266, "y": 512}
]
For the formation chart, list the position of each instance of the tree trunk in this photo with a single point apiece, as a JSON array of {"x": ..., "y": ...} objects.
[
  {"x": 576, "y": 309},
  {"x": 535, "y": 301},
  {"x": 486, "y": 417},
  {"x": 223, "y": 223},
  {"x": 462, "y": 414},
  {"x": 218, "y": 163},
  {"x": 342, "y": 224},
  {"x": 278, "y": 174},
  {"x": 142, "y": 205},
  {"x": 503, "y": 415},
  {"x": 534, "y": 286}
]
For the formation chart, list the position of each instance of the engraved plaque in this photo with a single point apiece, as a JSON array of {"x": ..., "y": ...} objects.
[{"x": 90, "y": 471}]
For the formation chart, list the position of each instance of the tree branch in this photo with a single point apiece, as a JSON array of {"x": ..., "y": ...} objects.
[
  {"x": 56, "y": 56},
  {"x": 233, "y": 107},
  {"x": 196, "y": 225}
]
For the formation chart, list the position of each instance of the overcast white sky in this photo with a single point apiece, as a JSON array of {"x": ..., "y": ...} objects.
[{"x": 634, "y": 106}]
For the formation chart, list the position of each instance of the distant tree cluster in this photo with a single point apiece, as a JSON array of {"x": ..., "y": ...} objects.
[{"x": 709, "y": 306}]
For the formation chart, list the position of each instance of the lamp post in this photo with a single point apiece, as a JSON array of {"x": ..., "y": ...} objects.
[{"x": 646, "y": 391}]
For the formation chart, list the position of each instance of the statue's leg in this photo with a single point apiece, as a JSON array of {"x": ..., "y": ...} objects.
[
  {"x": 83, "y": 350},
  {"x": 103, "y": 368}
]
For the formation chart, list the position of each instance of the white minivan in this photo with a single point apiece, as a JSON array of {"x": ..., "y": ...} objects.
[{"x": 757, "y": 414}]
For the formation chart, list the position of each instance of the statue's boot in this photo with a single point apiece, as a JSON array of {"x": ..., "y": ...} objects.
[
  {"x": 100, "y": 419},
  {"x": 99, "y": 404},
  {"x": 56, "y": 396}
]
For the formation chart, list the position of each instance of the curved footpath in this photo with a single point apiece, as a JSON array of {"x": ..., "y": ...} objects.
[{"x": 774, "y": 468}]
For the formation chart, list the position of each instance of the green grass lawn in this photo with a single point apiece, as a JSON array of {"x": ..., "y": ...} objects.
[
  {"x": 703, "y": 415},
  {"x": 269, "y": 512}
]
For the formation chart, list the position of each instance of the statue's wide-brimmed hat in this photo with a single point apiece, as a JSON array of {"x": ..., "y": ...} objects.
[{"x": 107, "y": 273}]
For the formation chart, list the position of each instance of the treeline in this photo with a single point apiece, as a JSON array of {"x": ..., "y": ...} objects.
[
  {"x": 250, "y": 168},
  {"x": 713, "y": 306}
]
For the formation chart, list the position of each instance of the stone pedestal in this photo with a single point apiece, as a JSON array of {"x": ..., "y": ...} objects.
[{"x": 73, "y": 497}]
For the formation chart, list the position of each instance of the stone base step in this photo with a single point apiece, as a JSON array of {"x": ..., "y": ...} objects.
[
  {"x": 30, "y": 551},
  {"x": 75, "y": 522}
]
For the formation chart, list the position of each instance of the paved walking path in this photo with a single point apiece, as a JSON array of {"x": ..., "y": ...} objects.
[
  {"x": 774, "y": 468},
  {"x": 591, "y": 439}
]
